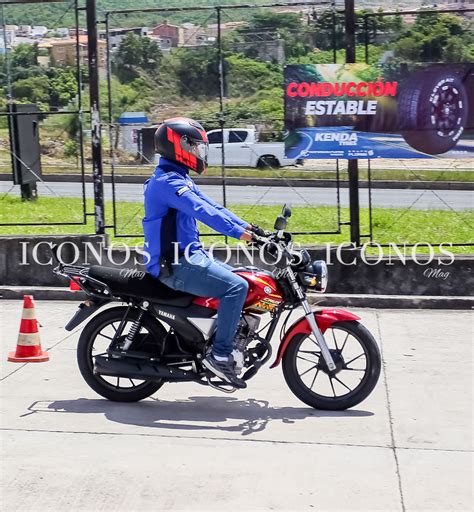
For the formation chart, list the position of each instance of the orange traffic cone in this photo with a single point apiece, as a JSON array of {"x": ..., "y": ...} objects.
[{"x": 28, "y": 348}]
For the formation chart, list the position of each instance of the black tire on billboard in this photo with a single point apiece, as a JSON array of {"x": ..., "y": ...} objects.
[{"x": 432, "y": 110}]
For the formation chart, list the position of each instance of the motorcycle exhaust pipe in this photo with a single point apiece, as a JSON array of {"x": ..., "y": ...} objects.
[{"x": 144, "y": 370}]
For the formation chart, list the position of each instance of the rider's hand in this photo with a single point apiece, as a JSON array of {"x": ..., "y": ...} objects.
[
  {"x": 247, "y": 236},
  {"x": 259, "y": 231},
  {"x": 253, "y": 240}
]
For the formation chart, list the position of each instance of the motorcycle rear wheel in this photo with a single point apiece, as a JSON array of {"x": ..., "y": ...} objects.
[
  {"x": 103, "y": 385},
  {"x": 316, "y": 368}
]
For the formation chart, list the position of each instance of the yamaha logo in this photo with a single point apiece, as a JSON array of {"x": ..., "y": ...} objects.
[
  {"x": 166, "y": 315},
  {"x": 267, "y": 290}
]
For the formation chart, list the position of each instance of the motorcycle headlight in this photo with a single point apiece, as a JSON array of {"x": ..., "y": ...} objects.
[{"x": 315, "y": 276}]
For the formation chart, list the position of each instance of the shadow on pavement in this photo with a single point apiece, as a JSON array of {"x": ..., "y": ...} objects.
[{"x": 195, "y": 413}]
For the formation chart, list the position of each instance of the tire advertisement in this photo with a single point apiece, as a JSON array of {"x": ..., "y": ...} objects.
[{"x": 379, "y": 111}]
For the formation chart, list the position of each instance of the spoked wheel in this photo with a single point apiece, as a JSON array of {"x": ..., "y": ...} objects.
[
  {"x": 357, "y": 360},
  {"x": 96, "y": 339}
]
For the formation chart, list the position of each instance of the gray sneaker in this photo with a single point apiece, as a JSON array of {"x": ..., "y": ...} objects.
[{"x": 224, "y": 369}]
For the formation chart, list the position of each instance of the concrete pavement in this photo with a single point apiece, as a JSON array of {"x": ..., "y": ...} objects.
[
  {"x": 269, "y": 195},
  {"x": 407, "y": 447}
]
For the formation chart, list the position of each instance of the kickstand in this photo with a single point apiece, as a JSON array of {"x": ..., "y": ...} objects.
[{"x": 220, "y": 388}]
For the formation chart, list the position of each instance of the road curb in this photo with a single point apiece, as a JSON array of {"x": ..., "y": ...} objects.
[
  {"x": 330, "y": 299},
  {"x": 392, "y": 301},
  {"x": 268, "y": 182}
]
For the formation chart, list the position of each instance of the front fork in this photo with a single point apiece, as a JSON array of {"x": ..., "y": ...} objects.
[{"x": 311, "y": 320}]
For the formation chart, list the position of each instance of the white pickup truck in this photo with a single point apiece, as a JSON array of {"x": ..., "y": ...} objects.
[{"x": 242, "y": 149}]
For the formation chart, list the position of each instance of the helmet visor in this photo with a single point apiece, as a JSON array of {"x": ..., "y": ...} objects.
[{"x": 199, "y": 149}]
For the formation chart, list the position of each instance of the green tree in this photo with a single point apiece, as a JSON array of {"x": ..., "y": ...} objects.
[
  {"x": 135, "y": 56},
  {"x": 434, "y": 37},
  {"x": 196, "y": 72},
  {"x": 270, "y": 26},
  {"x": 246, "y": 76},
  {"x": 271, "y": 21},
  {"x": 150, "y": 55},
  {"x": 62, "y": 84},
  {"x": 34, "y": 90},
  {"x": 328, "y": 29},
  {"x": 25, "y": 55}
]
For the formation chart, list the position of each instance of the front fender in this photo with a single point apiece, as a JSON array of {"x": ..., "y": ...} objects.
[{"x": 324, "y": 318}]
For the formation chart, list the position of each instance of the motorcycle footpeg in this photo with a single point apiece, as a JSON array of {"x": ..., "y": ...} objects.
[{"x": 221, "y": 385}]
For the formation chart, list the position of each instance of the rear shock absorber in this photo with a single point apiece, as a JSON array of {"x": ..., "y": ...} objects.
[{"x": 134, "y": 329}]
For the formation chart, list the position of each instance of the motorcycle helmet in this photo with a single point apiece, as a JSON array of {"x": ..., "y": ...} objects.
[{"x": 183, "y": 140}]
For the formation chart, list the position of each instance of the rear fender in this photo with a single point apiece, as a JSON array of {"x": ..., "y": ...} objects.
[
  {"x": 324, "y": 318},
  {"x": 84, "y": 311}
]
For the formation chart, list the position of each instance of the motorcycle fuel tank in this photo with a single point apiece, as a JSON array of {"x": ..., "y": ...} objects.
[{"x": 263, "y": 295}]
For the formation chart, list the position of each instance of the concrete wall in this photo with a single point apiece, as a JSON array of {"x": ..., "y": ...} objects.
[{"x": 26, "y": 261}]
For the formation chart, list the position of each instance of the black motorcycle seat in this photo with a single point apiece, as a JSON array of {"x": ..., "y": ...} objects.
[{"x": 128, "y": 282}]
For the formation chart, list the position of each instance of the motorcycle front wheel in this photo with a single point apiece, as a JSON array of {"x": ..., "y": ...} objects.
[
  {"x": 358, "y": 362},
  {"x": 95, "y": 340}
]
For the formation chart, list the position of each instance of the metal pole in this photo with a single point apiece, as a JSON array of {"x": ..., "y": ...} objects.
[
  {"x": 334, "y": 34},
  {"x": 221, "y": 102},
  {"x": 80, "y": 112},
  {"x": 97, "y": 170},
  {"x": 352, "y": 165},
  {"x": 112, "y": 133},
  {"x": 366, "y": 38},
  {"x": 7, "y": 56}
]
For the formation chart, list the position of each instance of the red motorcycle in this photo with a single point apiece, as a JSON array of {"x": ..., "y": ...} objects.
[{"x": 127, "y": 352}]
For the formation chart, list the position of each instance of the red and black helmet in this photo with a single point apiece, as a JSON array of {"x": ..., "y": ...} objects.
[{"x": 183, "y": 140}]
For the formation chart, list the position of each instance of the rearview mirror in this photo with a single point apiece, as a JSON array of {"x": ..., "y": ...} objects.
[
  {"x": 286, "y": 211},
  {"x": 280, "y": 223}
]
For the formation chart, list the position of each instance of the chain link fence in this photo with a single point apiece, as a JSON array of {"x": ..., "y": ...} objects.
[{"x": 223, "y": 65}]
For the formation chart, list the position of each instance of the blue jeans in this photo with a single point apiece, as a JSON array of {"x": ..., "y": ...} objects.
[{"x": 206, "y": 277}]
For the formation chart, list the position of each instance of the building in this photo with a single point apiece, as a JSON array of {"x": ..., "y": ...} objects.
[
  {"x": 167, "y": 32},
  {"x": 225, "y": 27},
  {"x": 8, "y": 36},
  {"x": 24, "y": 30},
  {"x": 81, "y": 32},
  {"x": 192, "y": 35},
  {"x": 130, "y": 123},
  {"x": 117, "y": 34},
  {"x": 460, "y": 5},
  {"x": 39, "y": 31},
  {"x": 165, "y": 43},
  {"x": 63, "y": 51},
  {"x": 62, "y": 32}
]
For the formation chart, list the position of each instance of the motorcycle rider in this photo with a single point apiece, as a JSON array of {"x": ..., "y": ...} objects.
[{"x": 173, "y": 204}]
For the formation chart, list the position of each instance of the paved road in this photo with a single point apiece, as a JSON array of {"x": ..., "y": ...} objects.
[
  {"x": 301, "y": 196},
  {"x": 408, "y": 447}
]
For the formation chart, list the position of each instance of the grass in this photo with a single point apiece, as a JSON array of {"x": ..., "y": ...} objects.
[
  {"x": 326, "y": 171},
  {"x": 389, "y": 224}
]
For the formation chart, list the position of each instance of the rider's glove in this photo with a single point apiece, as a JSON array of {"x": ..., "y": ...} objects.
[
  {"x": 259, "y": 231},
  {"x": 257, "y": 240}
]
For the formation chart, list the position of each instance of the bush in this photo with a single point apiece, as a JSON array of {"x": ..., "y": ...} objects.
[{"x": 71, "y": 149}]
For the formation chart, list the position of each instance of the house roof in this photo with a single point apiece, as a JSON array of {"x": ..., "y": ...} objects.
[{"x": 165, "y": 24}]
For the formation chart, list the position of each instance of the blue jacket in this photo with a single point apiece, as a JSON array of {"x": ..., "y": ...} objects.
[{"x": 173, "y": 203}]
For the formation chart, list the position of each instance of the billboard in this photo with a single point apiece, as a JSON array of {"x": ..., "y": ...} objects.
[{"x": 379, "y": 111}]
